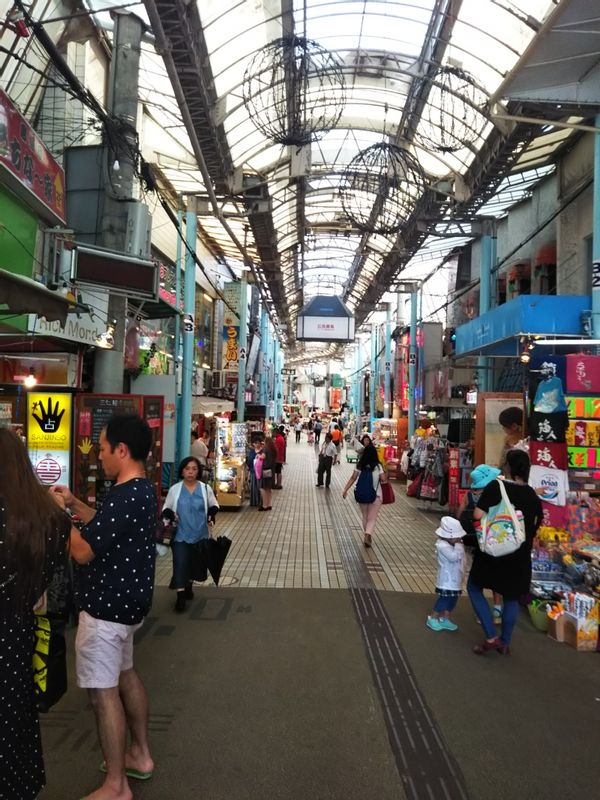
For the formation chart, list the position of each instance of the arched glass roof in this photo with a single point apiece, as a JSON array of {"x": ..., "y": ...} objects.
[{"x": 390, "y": 52}]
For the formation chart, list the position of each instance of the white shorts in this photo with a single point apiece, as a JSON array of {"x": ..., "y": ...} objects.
[{"x": 103, "y": 650}]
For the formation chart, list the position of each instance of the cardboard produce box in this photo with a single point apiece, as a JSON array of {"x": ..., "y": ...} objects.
[
  {"x": 582, "y": 632},
  {"x": 556, "y": 628}
]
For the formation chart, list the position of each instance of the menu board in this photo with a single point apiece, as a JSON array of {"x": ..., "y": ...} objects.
[{"x": 92, "y": 412}]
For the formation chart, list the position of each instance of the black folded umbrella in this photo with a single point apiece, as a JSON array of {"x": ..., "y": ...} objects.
[{"x": 210, "y": 555}]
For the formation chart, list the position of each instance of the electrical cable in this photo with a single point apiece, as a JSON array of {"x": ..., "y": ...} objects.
[{"x": 111, "y": 129}]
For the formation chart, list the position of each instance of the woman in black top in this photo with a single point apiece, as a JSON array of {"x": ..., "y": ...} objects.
[
  {"x": 508, "y": 575},
  {"x": 34, "y": 533},
  {"x": 269, "y": 459}
]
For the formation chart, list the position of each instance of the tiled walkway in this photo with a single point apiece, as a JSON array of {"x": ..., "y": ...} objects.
[{"x": 295, "y": 545}]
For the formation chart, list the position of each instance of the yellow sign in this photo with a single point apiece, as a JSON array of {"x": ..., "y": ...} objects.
[{"x": 49, "y": 421}]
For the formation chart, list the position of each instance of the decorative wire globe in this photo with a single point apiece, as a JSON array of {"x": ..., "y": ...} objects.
[
  {"x": 294, "y": 90},
  {"x": 453, "y": 117},
  {"x": 380, "y": 188}
]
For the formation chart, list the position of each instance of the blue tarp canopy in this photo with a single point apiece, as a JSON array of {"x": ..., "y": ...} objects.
[{"x": 497, "y": 332}]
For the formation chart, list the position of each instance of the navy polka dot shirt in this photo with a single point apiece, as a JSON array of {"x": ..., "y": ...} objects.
[{"x": 117, "y": 585}]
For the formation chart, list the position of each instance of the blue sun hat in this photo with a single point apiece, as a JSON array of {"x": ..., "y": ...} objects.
[{"x": 482, "y": 475}]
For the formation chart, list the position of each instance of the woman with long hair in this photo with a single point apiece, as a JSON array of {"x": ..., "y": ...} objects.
[
  {"x": 508, "y": 575},
  {"x": 370, "y": 475},
  {"x": 269, "y": 459},
  {"x": 196, "y": 507},
  {"x": 34, "y": 533}
]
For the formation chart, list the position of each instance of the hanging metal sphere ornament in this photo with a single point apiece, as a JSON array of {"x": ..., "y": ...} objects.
[
  {"x": 380, "y": 188},
  {"x": 453, "y": 117},
  {"x": 294, "y": 91}
]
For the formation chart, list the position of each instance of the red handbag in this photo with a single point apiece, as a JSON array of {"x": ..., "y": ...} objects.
[{"x": 387, "y": 493}]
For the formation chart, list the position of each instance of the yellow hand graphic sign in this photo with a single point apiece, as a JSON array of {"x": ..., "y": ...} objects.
[{"x": 85, "y": 446}]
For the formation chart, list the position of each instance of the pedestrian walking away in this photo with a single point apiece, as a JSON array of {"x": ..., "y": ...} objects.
[
  {"x": 317, "y": 428},
  {"x": 298, "y": 430},
  {"x": 450, "y": 553},
  {"x": 369, "y": 474},
  {"x": 196, "y": 507},
  {"x": 336, "y": 436},
  {"x": 116, "y": 543},
  {"x": 327, "y": 453},
  {"x": 34, "y": 534}
]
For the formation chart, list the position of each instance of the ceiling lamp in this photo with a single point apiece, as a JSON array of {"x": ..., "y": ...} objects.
[
  {"x": 294, "y": 90},
  {"x": 453, "y": 116},
  {"x": 380, "y": 188}
]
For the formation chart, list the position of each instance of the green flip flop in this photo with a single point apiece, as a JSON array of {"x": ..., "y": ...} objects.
[{"x": 131, "y": 773}]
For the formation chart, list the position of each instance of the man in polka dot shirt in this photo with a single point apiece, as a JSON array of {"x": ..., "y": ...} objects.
[{"x": 115, "y": 551}]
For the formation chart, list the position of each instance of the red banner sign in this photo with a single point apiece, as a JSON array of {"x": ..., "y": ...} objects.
[{"x": 28, "y": 160}]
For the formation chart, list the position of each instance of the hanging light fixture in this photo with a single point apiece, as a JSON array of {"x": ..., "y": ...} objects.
[
  {"x": 380, "y": 188},
  {"x": 453, "y": 116},
  {"x": 294, "y": 90},
  {"x": 106, "y": 340}
]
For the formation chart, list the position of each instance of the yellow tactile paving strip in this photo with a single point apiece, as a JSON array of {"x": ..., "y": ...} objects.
[{"x": 294, "y": 545}]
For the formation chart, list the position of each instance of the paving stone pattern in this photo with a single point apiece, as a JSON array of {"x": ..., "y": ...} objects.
[{"x": 295, "y": 544}]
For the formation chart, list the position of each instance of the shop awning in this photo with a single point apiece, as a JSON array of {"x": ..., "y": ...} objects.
[
  {"x": 497, "y": 332},
  {"x": 23, "y": 295},
  {"x": 561, "y": 63},
  {"x": 211, "y": 405}
]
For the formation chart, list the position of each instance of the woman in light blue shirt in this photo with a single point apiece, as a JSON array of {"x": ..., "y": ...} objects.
[{"x": 196, "y": 506}]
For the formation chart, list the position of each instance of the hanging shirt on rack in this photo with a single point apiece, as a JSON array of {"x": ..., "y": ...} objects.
[
  {"x": 549, "y": 397},
  {"x": 553, "y": 484},
  {"x": 548, "y": 427}
]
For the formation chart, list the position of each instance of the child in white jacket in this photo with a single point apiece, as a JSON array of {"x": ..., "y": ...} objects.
[{"x": 451, "y": 567}]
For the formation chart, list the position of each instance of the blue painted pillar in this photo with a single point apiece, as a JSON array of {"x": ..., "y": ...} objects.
[
  {"x": 276, "y": 380},
  {"x": 485, "y": 286},
  {"x": 177, "y": 340},
  {"x": 373, "y": 373},
  {"x": 387, "y": 397},
  {"x": 189, "y": 301},
  {"x": 412, "y": 360},
  {"x": 243, "y": 349},
  {"x": 596, "y": 238},
  {"x": 264, "y": 359}
]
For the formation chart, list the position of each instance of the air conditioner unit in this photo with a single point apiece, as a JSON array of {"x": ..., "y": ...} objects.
[{"x": 218, "y": 379}]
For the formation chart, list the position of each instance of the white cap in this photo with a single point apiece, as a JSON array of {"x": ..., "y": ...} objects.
[{"x": 450, "y": 528}]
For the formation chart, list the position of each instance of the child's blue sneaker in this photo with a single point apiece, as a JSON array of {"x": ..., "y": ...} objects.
[
  {"x": 447, "y": 625},
  {"x": 434, "y": 624}
]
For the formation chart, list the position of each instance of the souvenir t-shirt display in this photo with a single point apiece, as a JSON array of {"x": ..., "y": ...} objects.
[
  {"x": 548, "y": 427},
  {"x": 554, "y": 516},
  {"x": 549, "y": 396},
  {"x": 553, "y": 484},
  {"x": 583, "y": 373},
  {"x": 548, "y": 454}
]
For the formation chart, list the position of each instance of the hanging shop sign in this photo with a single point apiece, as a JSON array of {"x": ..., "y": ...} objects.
[
  {"x": 231, "y": 348},
  {"x": 82, "y": 328},
  {"x": 49, "y": 436},
  {"x": 232, "y": 294},
  {"x": 27, "y": 166}
]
